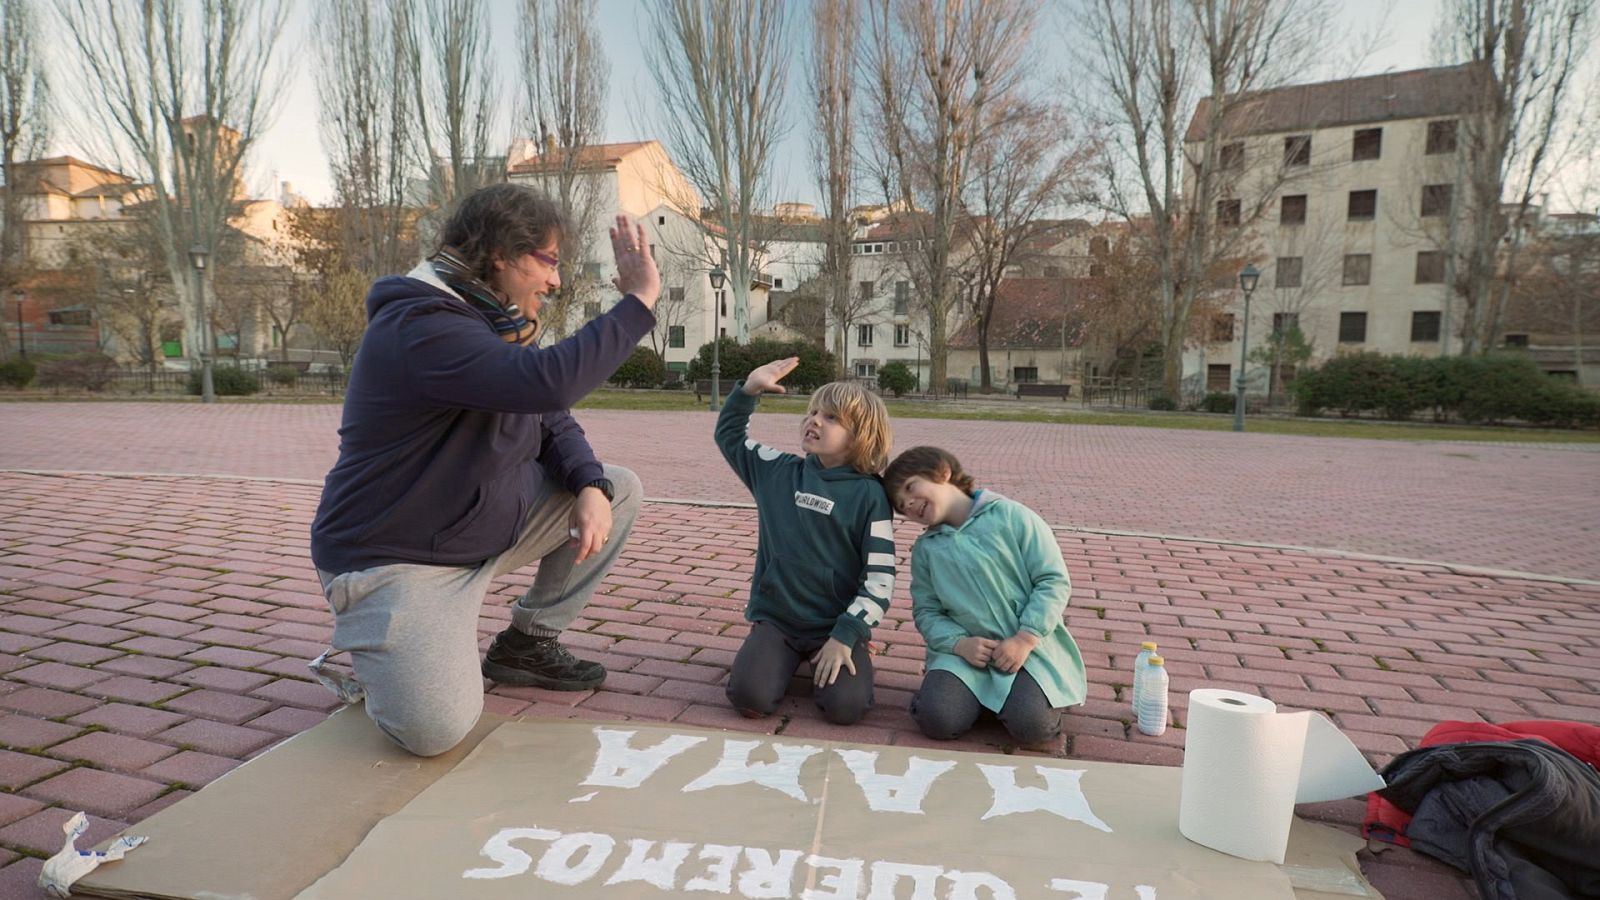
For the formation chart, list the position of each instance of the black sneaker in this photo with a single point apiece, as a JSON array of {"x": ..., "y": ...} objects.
[{"x": 523, "y": 660}]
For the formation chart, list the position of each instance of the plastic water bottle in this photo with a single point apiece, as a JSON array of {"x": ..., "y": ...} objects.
[
  {"x": 1140, "y": 664},
  {"x": 1153, "y": 698}
]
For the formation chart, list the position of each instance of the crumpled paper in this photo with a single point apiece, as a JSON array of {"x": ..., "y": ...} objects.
[{"x": 66, "y": 867}]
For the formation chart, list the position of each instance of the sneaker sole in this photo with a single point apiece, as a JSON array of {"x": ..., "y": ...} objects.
[{"x": 522, "y": 678}]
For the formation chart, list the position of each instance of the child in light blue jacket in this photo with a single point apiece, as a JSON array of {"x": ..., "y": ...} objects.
[{"x": 988, "y": 590}]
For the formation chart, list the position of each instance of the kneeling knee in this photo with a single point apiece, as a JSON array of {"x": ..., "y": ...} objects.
[
  {"x": 433, "y": 735},
  {"x": 843, "y": 713},
  {"x": 939, "y": 727},
  {"x": 751, "y": 704}
]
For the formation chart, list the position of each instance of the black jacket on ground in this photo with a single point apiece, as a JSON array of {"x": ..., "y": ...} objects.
[{"x": 1522, "y": 816}]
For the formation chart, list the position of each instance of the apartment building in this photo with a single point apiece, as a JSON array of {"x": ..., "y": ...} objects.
[{"x": 1348, "y": 191}]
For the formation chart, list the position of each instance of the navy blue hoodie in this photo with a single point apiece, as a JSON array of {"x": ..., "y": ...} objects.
[{"x": 448, "y": 430}]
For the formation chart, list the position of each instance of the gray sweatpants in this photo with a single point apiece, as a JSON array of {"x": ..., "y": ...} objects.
[{"x": 412, "y": 630}]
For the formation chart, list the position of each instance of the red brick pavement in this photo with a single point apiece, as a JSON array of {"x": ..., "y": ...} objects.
[
  {"x": 153, "y": 633},
  {"x": 1520, "y": 507}
]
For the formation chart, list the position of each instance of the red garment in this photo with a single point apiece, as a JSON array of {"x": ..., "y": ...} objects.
[{"x": 1387, "y": 822}]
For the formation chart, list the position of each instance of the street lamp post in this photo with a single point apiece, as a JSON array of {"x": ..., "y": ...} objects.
[
  {"x": 22, "y": 340},
  {"x": 197, "y": 257},
  {"x": 718, "y": 279},
  {"x": 1247, "y": 283}
]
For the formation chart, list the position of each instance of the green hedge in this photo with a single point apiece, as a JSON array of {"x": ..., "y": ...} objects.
[
  {"x": 1217, "y": 402},
  {"x": 817, "y": 366},
  {"x": 227, "y": 381},
  {"x": 17, "y": 373},
  {"x": 897, "y": 377},
  {"x": 1477, "y": 389},
  {"x": 643, "y": 369},
  {"x": 92, "y": 371}
]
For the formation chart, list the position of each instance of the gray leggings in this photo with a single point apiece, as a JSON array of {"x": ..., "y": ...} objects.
[
  {"x": 769, "y": 658},
  {"x": 946, "y": 708},
  {"x": 412, "y": 630}
]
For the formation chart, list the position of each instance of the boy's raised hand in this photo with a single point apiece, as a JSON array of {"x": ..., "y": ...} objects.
[
  {"x": 765, "y": 379},
  {"x": 825, "y": 666}
]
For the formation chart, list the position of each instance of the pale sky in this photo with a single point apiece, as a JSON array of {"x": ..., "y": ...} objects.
[{"x": 292, "y": 151}]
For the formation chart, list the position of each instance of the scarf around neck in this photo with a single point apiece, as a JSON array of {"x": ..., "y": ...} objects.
[{"x": 509, "y": 321}]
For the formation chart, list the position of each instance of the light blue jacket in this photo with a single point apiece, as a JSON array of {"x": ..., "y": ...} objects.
[{"x": 1000, "y": 571}]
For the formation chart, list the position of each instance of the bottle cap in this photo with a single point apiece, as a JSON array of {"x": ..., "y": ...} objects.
[
  {"x": 1148, "y": 645},
  {"x": 1157, "y": 661}
]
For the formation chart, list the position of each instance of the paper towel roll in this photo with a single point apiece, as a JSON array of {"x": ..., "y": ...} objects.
[{"x": 1245, "y": 766}]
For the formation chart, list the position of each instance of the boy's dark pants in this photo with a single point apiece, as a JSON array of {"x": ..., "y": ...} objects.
[
  {"x": 946, "y": 708},
  {"x": 769, "y": 658}
]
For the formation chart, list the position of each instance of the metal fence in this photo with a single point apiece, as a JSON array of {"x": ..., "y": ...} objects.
[{"x": 271, "y": 380}]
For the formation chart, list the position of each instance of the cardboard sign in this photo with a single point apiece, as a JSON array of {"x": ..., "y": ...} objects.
[{"x": 573, "y": 809}]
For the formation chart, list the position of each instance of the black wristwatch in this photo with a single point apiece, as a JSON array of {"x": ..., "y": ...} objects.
[{"x": 604, "y": 484}]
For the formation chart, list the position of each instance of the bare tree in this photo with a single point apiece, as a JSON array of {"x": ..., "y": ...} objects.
[
  {"x": 180, "y": 93},
  {"x": 24, "y": 129},
  {"x": 932, "y": 67},
  {"x": 335, "y": 306},
  {"x": 831, "y": 79},
  {"x": 720, "y": 67},
  {"x": 131, "y": 295},
  {"x": 1159, "y": 59},
  {"x": 564, "y": 61},
  {"x": 1528, "y": 55},
  {"x": 367, "y": 130},
  {"x": 1025, "y": 165},
  {"x": 448, "y": 68},
  {"x": 673, "y": 309}
]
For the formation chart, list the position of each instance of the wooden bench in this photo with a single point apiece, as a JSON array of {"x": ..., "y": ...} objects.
[
  {"x": 1035, "y": 389},
  {"x": 702, "y": 389}
]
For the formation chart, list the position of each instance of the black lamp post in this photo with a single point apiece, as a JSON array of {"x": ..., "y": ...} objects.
[
  {"x": 197, "y": 257},
  {"x": 22, "y": 340},
  {"x": 1247, "y": 283},
  {"x": 718, "y": 279}
]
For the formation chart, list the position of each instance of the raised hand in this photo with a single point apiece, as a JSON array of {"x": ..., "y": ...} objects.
[
  {"x": 765, "y": 379},
  {"x": 636, "y": 267}
]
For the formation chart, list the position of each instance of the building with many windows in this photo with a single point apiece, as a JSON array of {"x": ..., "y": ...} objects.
[{"x": 1349, "y": 190}]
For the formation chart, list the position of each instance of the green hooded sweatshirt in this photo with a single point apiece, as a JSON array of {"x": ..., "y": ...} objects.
[
  {"x": 825, "y": 548},
  {"x": 993, "y": 575}
]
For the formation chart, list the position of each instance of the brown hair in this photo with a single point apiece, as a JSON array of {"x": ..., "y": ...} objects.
[
  {"x": 867, "y": 419},
  {"x": 504, "y": 221},
  {"x": 931, "y": 463}
]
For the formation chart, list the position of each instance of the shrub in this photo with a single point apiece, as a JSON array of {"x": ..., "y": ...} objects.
[
  {"x": 1217, "y": 402},
  {"x": 92, "y": 371},
  {"x": 896, "y": 376},
  {"x": 1163, "y": 402},
  {"x": 816, "y": 364},
  {"x": 280, "y": 374},
  {"x": 643, "y": 369},
  {"x": 17, "y": 373},
  {"x": 227, "y": 381}
]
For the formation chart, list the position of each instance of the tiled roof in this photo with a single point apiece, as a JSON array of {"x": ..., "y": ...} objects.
[
  {"x": 1029, "y": 313},
  {"x": 1420, "y": 93},
  {"x": 605, "y": 156}
]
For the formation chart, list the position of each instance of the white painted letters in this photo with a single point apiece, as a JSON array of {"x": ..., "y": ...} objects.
[
  {"x": 768, "y": 878},
  {"x": 618, "y": 765},
  {"x": 661, "y": 871},
  {"x": 845, "y": 884},
  {"x": 512, "y": 861},
  {"x": 1063, "y": 795},
  {"x": 893, "y": 793},
  {"x": 556, "y": 865},
  {"x": 736, "y": 768},
  {"x": 885, "y": 875},
  {"x": 719, "y": 875},
  {"x": 967, "y": 883}
]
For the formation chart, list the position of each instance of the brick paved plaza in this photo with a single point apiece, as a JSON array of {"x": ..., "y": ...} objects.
[{"x": 154, "y": 627}]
